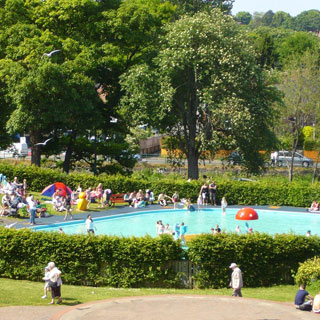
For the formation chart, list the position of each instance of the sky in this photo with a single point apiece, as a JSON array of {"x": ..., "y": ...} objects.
[{"x": 294, "y": 7}]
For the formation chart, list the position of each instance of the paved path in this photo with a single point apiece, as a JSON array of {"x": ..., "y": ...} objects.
[
  {"x": 183, "y": 307},
  {"x": 29, "y": 312}
]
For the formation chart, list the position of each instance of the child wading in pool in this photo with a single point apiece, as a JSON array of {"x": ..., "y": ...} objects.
[{"x": 224, "y": 205}]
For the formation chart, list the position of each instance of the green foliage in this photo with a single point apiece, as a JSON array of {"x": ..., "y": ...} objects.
[
  {"x": 308, "y": 21},
  {"x": 265, "y": 260},
  {"x": 101, "y": 260},
  {"x": 203, "y": 50},
  {"x": 268, "y": 192},
  {"x": 309, "y": 271},
  {"x": 243, "y": 17}
]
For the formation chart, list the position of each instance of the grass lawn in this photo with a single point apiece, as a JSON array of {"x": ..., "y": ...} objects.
[{"x": 19, "y": 293}]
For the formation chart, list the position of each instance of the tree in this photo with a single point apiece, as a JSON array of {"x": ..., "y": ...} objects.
[
  {"x": 243, "y": 17},
  {"x": 204, "y": 88},
  {"x": 194, "y": 6},
  {"x": 301, "y": 88},
  {"x": 296, "y": 45},
  {"x": 256, "y": 20},
  {"x": 265, "y": 47},
  {"x": 308, "y": 21},
  {"x": 282, "y": 19},
  {"x": 267, "y": 18}
]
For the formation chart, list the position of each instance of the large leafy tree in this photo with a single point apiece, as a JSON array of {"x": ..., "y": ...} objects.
[
  {"x": 243, "y": 17},
  {"x": 193, "y": 6},
  {"x": 300, "y": 85},
  {"x": 308, "y": 21},
  {"x": 204, "y": 88}
]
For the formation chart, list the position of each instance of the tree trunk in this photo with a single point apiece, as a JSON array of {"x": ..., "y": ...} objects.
[
  {"x": 36, "y": 151},
  {"x": 67, "y": 158},
  {"x": 290, "y": 164},
  {"x": 315, "y": 170},
  {"x": 193, "y": 167}
]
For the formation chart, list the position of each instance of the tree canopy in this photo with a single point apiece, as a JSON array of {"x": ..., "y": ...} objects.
[{"x": 204, "y": 88}]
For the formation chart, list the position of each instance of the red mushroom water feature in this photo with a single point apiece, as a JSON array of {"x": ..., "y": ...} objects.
[{"x": 247, "y": 214}]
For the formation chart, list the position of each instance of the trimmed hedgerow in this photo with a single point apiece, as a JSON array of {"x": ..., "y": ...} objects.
[
  {"x": 264, "y": 259},
  {"x": 147, "y": 262},
  {"x": 97, "y": 261},
  {"x": 236, "y": 192}
]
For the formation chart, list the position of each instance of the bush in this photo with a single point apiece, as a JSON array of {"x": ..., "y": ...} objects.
[
  {"x": 96, "y": 261},
  {"x": 264, "y": 260},
  {"x": 309, "y": 271},
  {"x": 236, "y": 192}
]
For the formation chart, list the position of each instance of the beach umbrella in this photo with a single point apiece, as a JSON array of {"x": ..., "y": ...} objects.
[
  {"x": 52, "y": 188},
  {"x": 247, "y": 214}
]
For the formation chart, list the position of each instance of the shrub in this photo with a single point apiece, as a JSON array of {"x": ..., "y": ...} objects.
[
  {"x": 264, "y": 260},
  {"x": 102, "y": 260},
  {"x": 236, "y": 192},
  {"x": 309, "y": 271}
]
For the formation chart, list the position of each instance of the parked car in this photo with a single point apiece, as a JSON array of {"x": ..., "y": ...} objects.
[
  {"x": 299, "y": 159},
  {"x": 235, "y": 158}
]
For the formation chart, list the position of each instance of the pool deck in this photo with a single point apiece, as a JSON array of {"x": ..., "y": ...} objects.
[{"x": 24, "y": 223}]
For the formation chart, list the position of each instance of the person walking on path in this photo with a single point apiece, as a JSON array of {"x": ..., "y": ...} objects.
[
  {"x": 55, "y": 282},
  {"x": 236, "y": 280}
]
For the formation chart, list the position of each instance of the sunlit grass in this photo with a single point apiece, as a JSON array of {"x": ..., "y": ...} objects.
[{"x": 18, "y": 292}]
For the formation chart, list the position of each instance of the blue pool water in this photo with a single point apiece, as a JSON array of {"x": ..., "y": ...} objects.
[{"x": 144, "y": 222}]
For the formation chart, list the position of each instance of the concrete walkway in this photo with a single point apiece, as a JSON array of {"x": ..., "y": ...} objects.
[
  {"x": 183, "y": 307},
  {"x": 29, "y": 312}
]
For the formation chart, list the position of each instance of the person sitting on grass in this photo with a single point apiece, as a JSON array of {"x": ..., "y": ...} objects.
[{"x": 300, "y": 299}]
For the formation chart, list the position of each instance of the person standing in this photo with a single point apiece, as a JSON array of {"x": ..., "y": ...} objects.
[
  {"x": 224, "y": 205},
  {"x": 55, "y": 282},
  {"x": 175, "y": 199},
  {"x": 213, "y": 191},
  {"x": 68, "y": 207},
  {"x": 236, "y": 280},
  {"x": 32, "y": 209},
  {"x": 89, "y": 225},
  {"x": 204, "y": 193}
]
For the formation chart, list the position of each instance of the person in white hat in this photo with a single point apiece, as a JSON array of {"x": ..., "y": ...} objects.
[{"x": 236, "y": 280}]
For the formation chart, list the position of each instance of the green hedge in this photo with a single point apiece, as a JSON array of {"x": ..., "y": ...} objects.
[
  {"x": 147, "y": 262},
  {"x": 97, "y": 261},
  {"x": 236, "y": 192},
  {"x": 264, "y": 260}
]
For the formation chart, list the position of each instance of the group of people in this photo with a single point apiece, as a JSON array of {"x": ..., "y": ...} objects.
[
  {"x": 53, "y": 282},
  {"x": 305, "y": 302},
  {"x": 315, "y": 206},
  {"x": 178, "y": 232},
  {"x": 139, "y": 199},
  {"x": 208, "y": 193},
  {"x": 15, "y": 196},
  {"x": 97, "y": 195}
]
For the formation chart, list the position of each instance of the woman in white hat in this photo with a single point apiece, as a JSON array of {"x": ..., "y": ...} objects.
[{"x": 55, "y": 282}]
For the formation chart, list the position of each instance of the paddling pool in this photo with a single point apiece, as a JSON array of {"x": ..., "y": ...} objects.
[{"x": 144, "y": 222}]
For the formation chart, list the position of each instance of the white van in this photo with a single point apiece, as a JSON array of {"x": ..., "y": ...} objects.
[{"x": 20, "y": 149}]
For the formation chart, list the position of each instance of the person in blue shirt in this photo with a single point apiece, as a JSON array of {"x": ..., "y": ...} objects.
[{"x": 300, "y": 299}]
